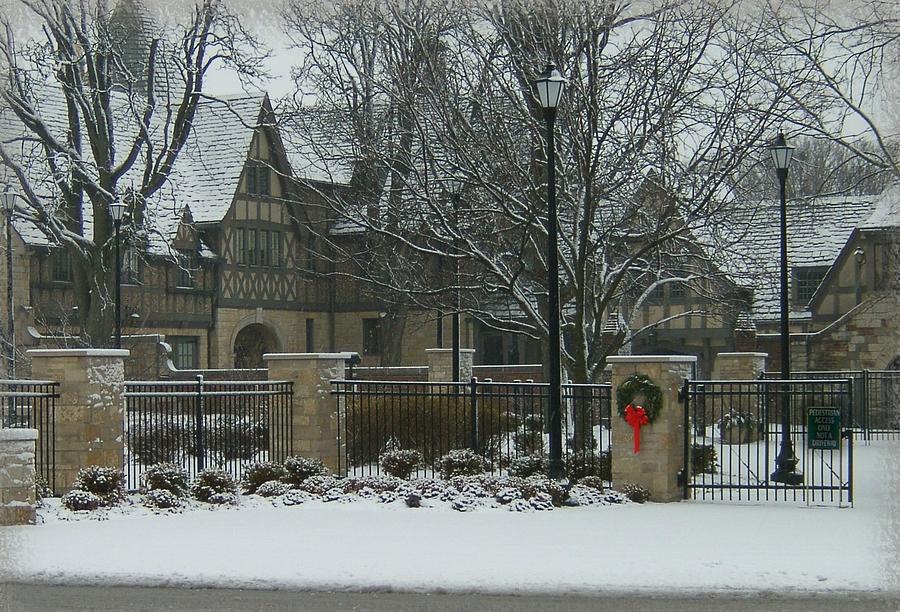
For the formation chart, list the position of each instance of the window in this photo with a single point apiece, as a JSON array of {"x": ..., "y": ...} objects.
[
  {"x": 677, "y": 290},
  {"x": 371, "y": 336},
  {"x": 187, "y": 264},
  {"x": 185, "y": 355},
  {"x": 885, "y": 267},
  {"x": 240, "y": 246},
  {"x": 276, "y": 249},
  {"x": 310, "y": 337},
  {"x": 60, "y": 266},
  {"x": 251, "y": 247},
  {"x": 258, "y": 179},
  {"x": 807, "y": 280},
  {"x": 132, "y": 266},
  {"x": 263, "y": 247},
  {"x": 310, "y": 252}
]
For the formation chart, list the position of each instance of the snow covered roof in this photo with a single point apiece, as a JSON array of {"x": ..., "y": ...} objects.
[
  {"x": 317, "y": 145},
  {"x": 887, "y": 211},
  {"x": 817, "y": 231}
]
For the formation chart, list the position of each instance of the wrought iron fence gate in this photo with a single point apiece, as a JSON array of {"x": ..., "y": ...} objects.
[
  {"x": 200, "y": 424},
  {"x": 735, "y": 430}
]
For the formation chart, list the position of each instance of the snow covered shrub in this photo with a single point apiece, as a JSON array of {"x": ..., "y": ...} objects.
[
  {"x": 703, "y": 459},
  {"x": 166, "y": 477},
  {"x": 592, "y": 482},
  {"x": 272, "y": 488},
  {"x": 413, "y": 499},
  {"x": 258, "y": 473},
  {"x": 542, "y": 501},
  {"x": 215, "y": 487},
  {"x": 430, "y": 488},
  {"x": 376, "y": 484},
  {"x": 474, "y": 486},
  {"x": 401, "y": 463},
  {"x": 295, "y": 497},
  {"x": 41, "y": 488},
  {"x": 519, "y": 505},
  {"x": 464, "y": 503},
  {"x": 508, "y": 495},
  {"x": 635, "y": 493},
  {"x": 107, "y": 483},
  {"x": 237, "y": 437},
  {"x": 159, "y": 438},
  {"x": 529, "y": 438},
  {"x": 523, "y": 467},
  {"x": 76, "y": 500},
  {"x": 738, "y": 427},
  {"x": 298, "y": 469},
  {"x": 161, "y": 498},
  {"x": 387, "y": 497},
  {"x": 461, "y": 462},
  {"x": 537, "y": 486},
  {"x": 589, "y": 463},
  {"x": 319, "y": 485}
]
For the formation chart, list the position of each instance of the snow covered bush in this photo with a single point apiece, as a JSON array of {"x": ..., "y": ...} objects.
[
  {"x": 635, "y": 493},
  {"x": 529, "y": 438},
  {"x": 159, "y": 438},
  {"x": 261, "y": 472},
  {"x": 107, "y": 483},
  {"x": 593, "y": 482},
  {"x": 461, "y": 462},
  {"x": 523, "y": 467},
  {"x": 430, "y": 488},
  {"x": 589, "y": 463},
  {"x": 413, "y": 499},
  {"x": 319, "y": 485},
  {"x": 401, "y": 463},
  {"x": 703, "y": 459},
  {"x": 161, "y": 498},
  {"x": 237, "y": 437},
  {"x": 166, "y": 477},
  {"x": 41, "y": 488},
  {"x": 739, "y": 427},
  {"x": 298, "y": 469},
  {"x": 272, "y": 488},
  {"x": 76, "y": 500},
  {"x": 464, "y": 503},
  {"x": 215, "y": 487}
]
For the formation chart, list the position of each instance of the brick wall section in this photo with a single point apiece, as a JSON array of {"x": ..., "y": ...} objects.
[
  {"x": 89, "y": 418},
  {"x": 17, "y": 505},
  {"x": 315, "y": 409},
  {"x": 661, "y": 457}
]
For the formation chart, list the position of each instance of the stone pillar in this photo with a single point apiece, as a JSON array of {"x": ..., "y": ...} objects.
[
  {"x": 440, "y": 364},
  {"x": 314, "y": 418},
  {"x": 661, "y": 457},
  {"x": 17, "y": 476},
  {"x": 89, "y": 418},
  {"x": 739, "y": 366}
]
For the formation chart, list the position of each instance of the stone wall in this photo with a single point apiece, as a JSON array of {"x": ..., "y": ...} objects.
[
  {"x": 17, "y": 504},
  {"x": 89, "y": 418}
]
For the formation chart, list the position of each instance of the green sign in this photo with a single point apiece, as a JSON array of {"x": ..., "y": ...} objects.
[{"x": 823, "y": 428}]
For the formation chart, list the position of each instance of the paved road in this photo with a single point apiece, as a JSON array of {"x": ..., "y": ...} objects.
[{"x": 27, "y": 598}]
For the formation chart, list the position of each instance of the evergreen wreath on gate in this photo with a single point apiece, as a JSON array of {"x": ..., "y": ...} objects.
[{"x": 635, "y": 385}]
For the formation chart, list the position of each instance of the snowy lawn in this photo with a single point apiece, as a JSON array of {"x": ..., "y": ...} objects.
[{"x": 366, "y": 545}]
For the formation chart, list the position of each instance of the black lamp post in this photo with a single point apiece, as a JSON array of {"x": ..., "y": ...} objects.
[
  {"x": 9, "y": 204},
  {"x": 454, "y": 329},
  {"x": 116, "y": 210},
  {"x": 786, "y": 461},
  {"x": 550, "y": 85}
]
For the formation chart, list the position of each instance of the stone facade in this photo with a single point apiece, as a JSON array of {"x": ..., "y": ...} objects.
[
  {"x": 89, "y": 419},
  {"x": 17, "y": 504},
  {"x": 440, "y": 364},
  {"x": 315, "y": 410},
  {"x": 739, "y": 366},
  {"x": 661, "y": 456}
]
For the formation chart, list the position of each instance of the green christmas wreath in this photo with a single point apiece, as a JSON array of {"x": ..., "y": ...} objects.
[{"x": 635, "y": 385}]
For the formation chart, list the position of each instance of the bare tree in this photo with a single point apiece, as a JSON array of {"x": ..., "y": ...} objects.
[
  {"x": 88, "y": 122},
  {"x": 659, "y": 113}
]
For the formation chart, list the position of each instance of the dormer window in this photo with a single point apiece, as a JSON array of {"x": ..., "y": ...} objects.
[
  {"x": 258, "y": 182},
  {"x": 132, "y": 266},
  {"x": 188, "y": 264},
  {"x": 60, "y": 266},
  {"x": 807, "y": 281}
]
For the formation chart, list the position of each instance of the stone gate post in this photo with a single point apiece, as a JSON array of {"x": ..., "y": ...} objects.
[
  {"x": 440, "y": 364},
  {"x": 89, "y": 418},
  {"x": 661, "y": 455},
  {"x": 314, "y": 418},
  {"x": 17, "y": 505}
]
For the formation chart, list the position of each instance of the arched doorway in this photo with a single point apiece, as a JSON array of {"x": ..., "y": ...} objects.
[{"x": 251, "y": 343}]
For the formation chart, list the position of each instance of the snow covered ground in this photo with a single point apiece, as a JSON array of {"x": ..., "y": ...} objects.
[{"x": 364, "y": 545}]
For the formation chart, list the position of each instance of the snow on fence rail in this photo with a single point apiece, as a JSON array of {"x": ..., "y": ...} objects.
[{"x": 200, "y": 424}]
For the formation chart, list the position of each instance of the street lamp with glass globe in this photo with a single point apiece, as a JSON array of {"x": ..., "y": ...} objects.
[{"x": 116, "y": 211}]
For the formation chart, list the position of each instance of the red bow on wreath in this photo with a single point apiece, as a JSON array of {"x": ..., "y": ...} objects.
[{"x": 637, "y": 417}]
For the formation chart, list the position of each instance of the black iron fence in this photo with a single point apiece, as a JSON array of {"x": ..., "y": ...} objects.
[
  {"x": 501, "y": 421},
  {"x": 31, "y": 404},
  {"x": 876, "y": 399},
  {"x": 736, "y": 430},
  {"x": 201, "y": 424}
]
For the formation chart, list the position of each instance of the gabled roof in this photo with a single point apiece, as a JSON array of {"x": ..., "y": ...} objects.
[
  {"x": 887, "y": 211},
  {"x": 817, "y": 230}
]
